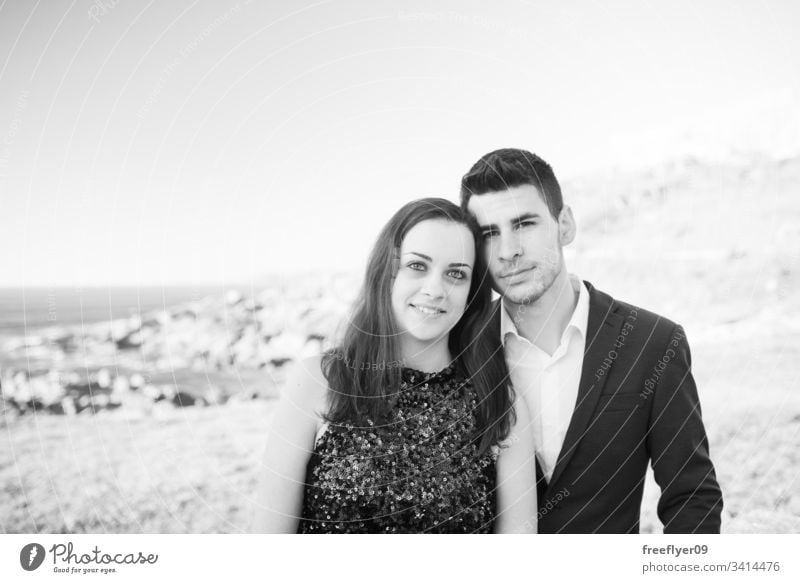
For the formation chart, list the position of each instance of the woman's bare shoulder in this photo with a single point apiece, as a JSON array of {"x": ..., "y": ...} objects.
[{"x": 306, "y": 384}]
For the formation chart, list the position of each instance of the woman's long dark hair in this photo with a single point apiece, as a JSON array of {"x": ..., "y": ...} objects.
[{"x": 363, "y": 372}]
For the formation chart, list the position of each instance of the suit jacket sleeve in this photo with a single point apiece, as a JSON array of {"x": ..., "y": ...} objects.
[{"x": 691, "y": 500}]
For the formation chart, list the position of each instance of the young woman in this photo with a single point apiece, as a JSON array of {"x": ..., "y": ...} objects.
[{"x": 409, "y": 425}]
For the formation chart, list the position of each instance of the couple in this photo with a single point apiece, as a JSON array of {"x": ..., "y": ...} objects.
[{"x": 443, "y": 411}]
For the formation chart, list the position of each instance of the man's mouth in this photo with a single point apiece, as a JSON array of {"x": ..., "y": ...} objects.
[{"x": 516, "y": 272}]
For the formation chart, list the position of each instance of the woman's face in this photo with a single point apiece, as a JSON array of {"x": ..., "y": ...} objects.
[{"x": 429, "y": 294}]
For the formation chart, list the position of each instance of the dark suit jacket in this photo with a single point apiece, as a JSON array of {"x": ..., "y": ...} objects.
[{"x": 637, "y": 402}]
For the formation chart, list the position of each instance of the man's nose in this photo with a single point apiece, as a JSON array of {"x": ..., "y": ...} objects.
[{"x": 510, "y": 248}]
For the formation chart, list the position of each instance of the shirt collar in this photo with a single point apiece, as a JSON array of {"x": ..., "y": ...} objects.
[{"x": 579, "y": 320}]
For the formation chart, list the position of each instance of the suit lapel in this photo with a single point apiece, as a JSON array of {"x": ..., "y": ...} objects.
[{"x": 602, "y": 329}]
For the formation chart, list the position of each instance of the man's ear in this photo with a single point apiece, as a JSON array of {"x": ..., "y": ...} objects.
[{"x": 566, "y": 226}]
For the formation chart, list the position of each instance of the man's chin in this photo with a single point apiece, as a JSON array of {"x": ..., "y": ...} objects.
[{"x": 523, "y": 297}]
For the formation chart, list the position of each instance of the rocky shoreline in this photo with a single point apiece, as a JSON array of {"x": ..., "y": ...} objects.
[{"x": 199, "y": 353}]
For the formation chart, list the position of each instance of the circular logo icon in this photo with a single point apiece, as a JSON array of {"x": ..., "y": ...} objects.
[{"x": 31, "y": 556}]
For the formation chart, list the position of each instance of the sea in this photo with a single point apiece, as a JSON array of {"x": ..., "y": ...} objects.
[{"x": 25, "y": 311}]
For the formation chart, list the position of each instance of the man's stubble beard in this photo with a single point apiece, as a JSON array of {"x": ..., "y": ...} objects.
[{"x": 544, "y": 275}]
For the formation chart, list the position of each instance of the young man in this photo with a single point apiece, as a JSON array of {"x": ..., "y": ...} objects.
[{"x": 608, "y": 385}]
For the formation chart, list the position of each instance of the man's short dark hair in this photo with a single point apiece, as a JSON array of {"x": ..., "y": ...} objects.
[{"x": 508, "y": 168}]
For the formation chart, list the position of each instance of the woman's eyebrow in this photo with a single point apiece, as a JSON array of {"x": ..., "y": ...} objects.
[
  {"x": 427, "y": 258},
  {"x": 418, "y": 255}
]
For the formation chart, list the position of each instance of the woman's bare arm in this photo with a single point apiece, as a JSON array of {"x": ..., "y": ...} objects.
[
  {"x": 290, "y": 441},
  {"x": 517, "y": 503}
]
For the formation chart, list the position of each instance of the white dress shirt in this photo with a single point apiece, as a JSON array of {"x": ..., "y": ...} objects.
[{"x": 548, "y": 384}]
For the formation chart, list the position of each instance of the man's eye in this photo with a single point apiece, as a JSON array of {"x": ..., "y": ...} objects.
[
  {"x": 527, "y": 223},
  {"x": 488, "y": 234}
]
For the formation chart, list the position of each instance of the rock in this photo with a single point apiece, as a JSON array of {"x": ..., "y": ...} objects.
[{"x": 183, "y": 399}]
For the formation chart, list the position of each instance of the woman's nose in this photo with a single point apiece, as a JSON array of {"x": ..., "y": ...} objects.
[{"x": 432, "y": 286}]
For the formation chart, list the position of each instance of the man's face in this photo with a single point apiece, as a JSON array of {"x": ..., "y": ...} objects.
[{"x": 522, "y": 241}]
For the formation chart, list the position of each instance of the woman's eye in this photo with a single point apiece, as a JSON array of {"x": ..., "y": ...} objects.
[
  {"x": 456, "y": 274},
  {"x": 417, "y": 266}
]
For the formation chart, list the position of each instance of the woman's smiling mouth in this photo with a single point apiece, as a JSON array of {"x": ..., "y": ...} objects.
[{"x": 428, "y": 310}]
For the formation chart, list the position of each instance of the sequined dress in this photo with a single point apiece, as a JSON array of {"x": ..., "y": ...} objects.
[{"x": 418, "y": 472}]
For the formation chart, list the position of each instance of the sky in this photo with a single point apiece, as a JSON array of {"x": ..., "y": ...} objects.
[{"x": 191, "y": 142}]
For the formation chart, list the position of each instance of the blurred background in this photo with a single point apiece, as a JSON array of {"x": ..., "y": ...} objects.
[{"x": 189, "y": 192}]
